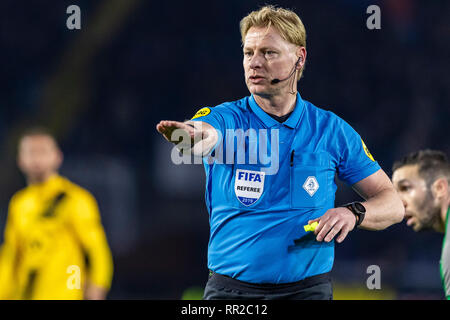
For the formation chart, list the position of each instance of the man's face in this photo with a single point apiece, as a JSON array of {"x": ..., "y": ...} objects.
[
  {"x": 421, "y": 209},
  {"x": 38, "y": 157},
  {"x": 267, "y": 56}
]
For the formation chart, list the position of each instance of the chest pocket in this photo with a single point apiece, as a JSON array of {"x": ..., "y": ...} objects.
[{"x": 309, "y": 179}]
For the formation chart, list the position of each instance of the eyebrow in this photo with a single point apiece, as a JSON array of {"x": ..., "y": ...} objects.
[{"x": 263, "y": 48}]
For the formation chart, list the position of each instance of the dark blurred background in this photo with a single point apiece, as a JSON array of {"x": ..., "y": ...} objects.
[{"x": 103, "y": 89}]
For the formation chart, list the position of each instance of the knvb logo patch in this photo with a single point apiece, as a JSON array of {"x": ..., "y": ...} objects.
[
  {"x": 311, "y": 185},
  {"x": 248, "y": 186}
]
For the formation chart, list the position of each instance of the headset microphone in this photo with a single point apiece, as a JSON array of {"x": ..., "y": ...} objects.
[{"x": 275, "y": 81}]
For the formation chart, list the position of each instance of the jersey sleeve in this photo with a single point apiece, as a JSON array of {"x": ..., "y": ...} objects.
[
  {"x": 9, "y": 254},
  {"x": 355, "y": 160},
  {"x": 211, "y": 116},
  {"x": 87, "y": 224},
  {"x": 445, "y": 263},
  {"x": 220, "y": 117}
]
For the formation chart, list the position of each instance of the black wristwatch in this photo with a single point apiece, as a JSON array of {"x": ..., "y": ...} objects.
[{"x": 358, "y": 210}]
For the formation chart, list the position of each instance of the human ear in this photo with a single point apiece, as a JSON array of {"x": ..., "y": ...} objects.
[{"x": 440, "y": 188}]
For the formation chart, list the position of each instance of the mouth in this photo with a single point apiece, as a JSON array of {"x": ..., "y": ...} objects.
[
  {"x": 256, "y": 79},
  {"x": 409, "y": 219},
  {"x": 410, "y": 222}
]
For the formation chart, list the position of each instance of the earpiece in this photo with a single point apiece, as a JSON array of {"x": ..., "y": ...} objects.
[{"x": 275, "y": 81}]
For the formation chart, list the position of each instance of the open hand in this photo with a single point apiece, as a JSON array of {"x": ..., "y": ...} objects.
[{"x": 166, "y": 128}]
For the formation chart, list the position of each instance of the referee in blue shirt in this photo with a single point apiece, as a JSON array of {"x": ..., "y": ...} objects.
[{"x": 270, "y": 162}]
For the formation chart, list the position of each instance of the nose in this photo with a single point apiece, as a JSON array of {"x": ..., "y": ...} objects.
[
  {"x": 255, "y": 62},
  {"x": 405, "y": 204}
]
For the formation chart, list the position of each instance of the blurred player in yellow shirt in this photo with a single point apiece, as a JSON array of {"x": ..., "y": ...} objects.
[{"x": 54, "y": 243}]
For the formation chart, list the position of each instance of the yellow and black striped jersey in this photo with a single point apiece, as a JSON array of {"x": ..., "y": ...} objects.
[{"x": 53, "y": 233}]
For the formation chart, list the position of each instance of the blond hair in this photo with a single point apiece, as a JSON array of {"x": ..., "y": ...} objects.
[{"x": 285, "y": 21}]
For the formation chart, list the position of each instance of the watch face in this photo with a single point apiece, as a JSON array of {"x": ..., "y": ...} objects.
[{"x": 360, "y": 207}]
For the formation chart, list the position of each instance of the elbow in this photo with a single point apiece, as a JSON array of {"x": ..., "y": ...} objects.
[
  {"x": 399, "y": 211},
  {"x": 394, "y": 213},
  {"x": 401, "y": 214}
]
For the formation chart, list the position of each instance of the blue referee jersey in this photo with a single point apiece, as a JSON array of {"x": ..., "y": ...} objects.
[{"x": 270, "y": 179}]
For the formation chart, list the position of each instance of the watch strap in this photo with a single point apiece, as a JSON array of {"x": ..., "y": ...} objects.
[{"x": 359, "y": 215}]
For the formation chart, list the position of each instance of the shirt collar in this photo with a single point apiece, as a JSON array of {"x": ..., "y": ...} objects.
[
  {"x": 292, "y": 122},
  {"x": 52, "y": 184}
]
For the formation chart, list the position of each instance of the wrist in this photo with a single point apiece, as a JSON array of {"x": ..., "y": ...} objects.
[
  {"x": 358, "y": 210},
  {"x": 354, "y": 216}
]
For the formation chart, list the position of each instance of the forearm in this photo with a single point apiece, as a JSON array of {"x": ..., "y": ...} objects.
[
  {"x": 101, "y": 262},
  {"x": 7, "y": 271},
  {"x": 382, "y": 210}
]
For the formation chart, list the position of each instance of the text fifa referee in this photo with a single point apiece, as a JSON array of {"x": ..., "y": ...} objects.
[{"x": 258, "y": 203}]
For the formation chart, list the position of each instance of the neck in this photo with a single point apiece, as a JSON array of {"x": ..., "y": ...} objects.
[
  {"x": 41, "y": 178},
  {"x": 277, "y": 105},
  {"x": 444, "y": 210}
]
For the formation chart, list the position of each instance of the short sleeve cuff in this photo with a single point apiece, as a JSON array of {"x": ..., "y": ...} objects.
[{"x": 361, "y": 174}]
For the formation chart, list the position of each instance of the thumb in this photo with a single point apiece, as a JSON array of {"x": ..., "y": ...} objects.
[{"x": 314, "y": 220}]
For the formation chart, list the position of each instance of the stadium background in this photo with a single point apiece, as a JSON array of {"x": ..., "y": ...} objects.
[{"x": 103, "y": 88}]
